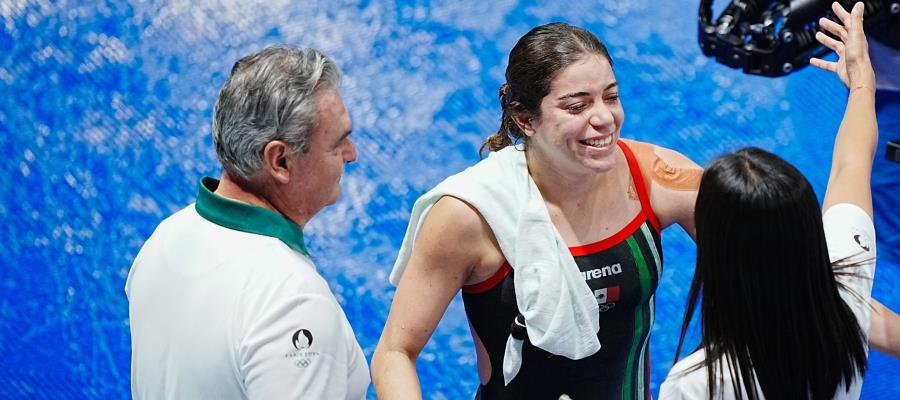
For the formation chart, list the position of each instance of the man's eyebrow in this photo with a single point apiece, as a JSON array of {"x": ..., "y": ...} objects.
[
  {"x": 344, "y": 136},
  {"x": 579, "y": 94}
]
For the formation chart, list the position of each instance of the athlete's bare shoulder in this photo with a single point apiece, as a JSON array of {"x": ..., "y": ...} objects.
[
  {"x": 666, "y": 167},
  {"x": 454, "y": 229}
]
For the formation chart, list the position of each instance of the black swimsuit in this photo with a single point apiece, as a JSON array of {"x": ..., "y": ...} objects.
[{"x": 623, "y": 272}]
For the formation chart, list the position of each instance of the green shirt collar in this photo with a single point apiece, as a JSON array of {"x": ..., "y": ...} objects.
[{"x": 245, "y": 217}]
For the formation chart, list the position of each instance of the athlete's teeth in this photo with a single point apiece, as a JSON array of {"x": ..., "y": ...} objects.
[{"x": 598, "y": 142}]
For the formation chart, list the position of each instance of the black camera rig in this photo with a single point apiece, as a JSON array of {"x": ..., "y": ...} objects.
[{"x": 777, "y": 37}]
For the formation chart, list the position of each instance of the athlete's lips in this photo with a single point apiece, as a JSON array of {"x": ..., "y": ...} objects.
[
  {"x": 599, "y": 141},
  {"x": 602, "y": 144}
]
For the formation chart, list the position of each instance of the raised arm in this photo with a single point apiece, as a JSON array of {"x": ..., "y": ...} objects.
[
  {"x": 854, "y": 146},
  {"x": 857, "y": 138},
  {"x": 452, "y": 244}
]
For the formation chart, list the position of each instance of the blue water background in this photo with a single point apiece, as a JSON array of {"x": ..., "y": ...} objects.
[{"x": 105, "y": 130}]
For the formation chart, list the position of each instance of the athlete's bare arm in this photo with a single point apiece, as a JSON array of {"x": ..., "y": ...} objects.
[
  {"x": 673, "y": 180},
  {"x": 451, "y": 250},
  {"x": 854, "y": 146}
]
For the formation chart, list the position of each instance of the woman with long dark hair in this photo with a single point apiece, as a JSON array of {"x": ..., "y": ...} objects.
[{"x": 783, "y": 289}]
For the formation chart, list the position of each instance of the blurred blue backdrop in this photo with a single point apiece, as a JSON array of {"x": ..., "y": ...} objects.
[{"x": 105, "y": 130}]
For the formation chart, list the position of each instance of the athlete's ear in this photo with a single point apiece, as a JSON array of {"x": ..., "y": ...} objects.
[{"x": 525, "y": 123}]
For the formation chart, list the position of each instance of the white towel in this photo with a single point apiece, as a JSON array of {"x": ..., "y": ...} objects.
[{"x": 561, "y": 314}]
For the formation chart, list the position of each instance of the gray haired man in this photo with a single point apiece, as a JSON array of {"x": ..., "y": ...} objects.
[{"x": 224, "y": 300}]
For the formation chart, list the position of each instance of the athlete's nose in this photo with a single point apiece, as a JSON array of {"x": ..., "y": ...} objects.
[{"x": 601, "y": 117}]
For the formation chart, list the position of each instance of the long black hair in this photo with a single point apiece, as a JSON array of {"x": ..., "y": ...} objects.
[{"x": 770, "y": 305}]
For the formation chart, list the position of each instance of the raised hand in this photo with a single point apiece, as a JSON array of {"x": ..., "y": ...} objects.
[{"x": 853, "y": 66}]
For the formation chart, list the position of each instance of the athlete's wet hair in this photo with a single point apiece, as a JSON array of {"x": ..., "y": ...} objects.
[
  {"x": 533, "y": 63},
  {"x": 770, "y": 303}
]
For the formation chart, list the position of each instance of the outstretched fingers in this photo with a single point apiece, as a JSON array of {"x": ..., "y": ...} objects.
[
  {"x": 822, "y": 64},
  {"x": 846, "y": 38},
  {"x": 833, "y": 28},
  {"x": 841, "y": 13},
  {"x": 835, "y": 45},
  {"x": 830, "y": 43},
  {"x": 859, "y": 66},
  {"x": 855, "y": 23}
]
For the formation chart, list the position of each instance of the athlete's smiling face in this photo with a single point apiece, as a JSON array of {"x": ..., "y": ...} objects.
[{"x": 579, "y": 119}]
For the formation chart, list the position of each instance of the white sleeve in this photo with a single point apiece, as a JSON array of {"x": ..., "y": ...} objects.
[
  {"x": 672, "y": 390},
  {"x": 850, "y": 234},
  {"x": 297, "y": 348},
  {"x": 684, "y": 381}
]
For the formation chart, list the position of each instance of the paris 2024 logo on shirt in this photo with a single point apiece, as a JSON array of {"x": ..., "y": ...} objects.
[
  {"x": 301, "y": 356},
  {"x": 863, "y": 242}
]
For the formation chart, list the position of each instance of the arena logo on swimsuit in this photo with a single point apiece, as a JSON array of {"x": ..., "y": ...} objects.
[{"x": 608, "y": 270}]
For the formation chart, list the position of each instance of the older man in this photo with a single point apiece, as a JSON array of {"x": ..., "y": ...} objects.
[{"x": 224, "y": 299}]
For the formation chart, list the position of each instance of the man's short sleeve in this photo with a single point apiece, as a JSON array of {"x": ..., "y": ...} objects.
[{"x": 298, "y": 348}]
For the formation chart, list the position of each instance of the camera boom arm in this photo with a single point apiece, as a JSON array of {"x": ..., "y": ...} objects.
[{"x": 776, "y": 37}]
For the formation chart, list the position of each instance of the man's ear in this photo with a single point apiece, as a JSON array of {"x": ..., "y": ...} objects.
[
  {"x": 275, "y": 159},
  {"x": 524, "y": 122}
]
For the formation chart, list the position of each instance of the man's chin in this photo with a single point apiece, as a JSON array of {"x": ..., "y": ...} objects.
[{"x": 334, "y": 198}]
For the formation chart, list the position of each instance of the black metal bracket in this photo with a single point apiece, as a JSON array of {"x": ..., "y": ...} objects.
[{"x": 776, "y": 37}]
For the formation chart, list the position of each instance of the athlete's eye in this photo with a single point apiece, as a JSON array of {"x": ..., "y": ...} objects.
[{"x": 577, "y": 107}]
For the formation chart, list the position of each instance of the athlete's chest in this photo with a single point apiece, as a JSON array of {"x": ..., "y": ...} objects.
[
  {"x": 624, "y": 271},
  {"x": 593, "y": 218}
]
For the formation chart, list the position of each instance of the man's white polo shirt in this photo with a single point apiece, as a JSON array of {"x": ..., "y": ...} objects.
[{"x": 225, "y": 303}]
